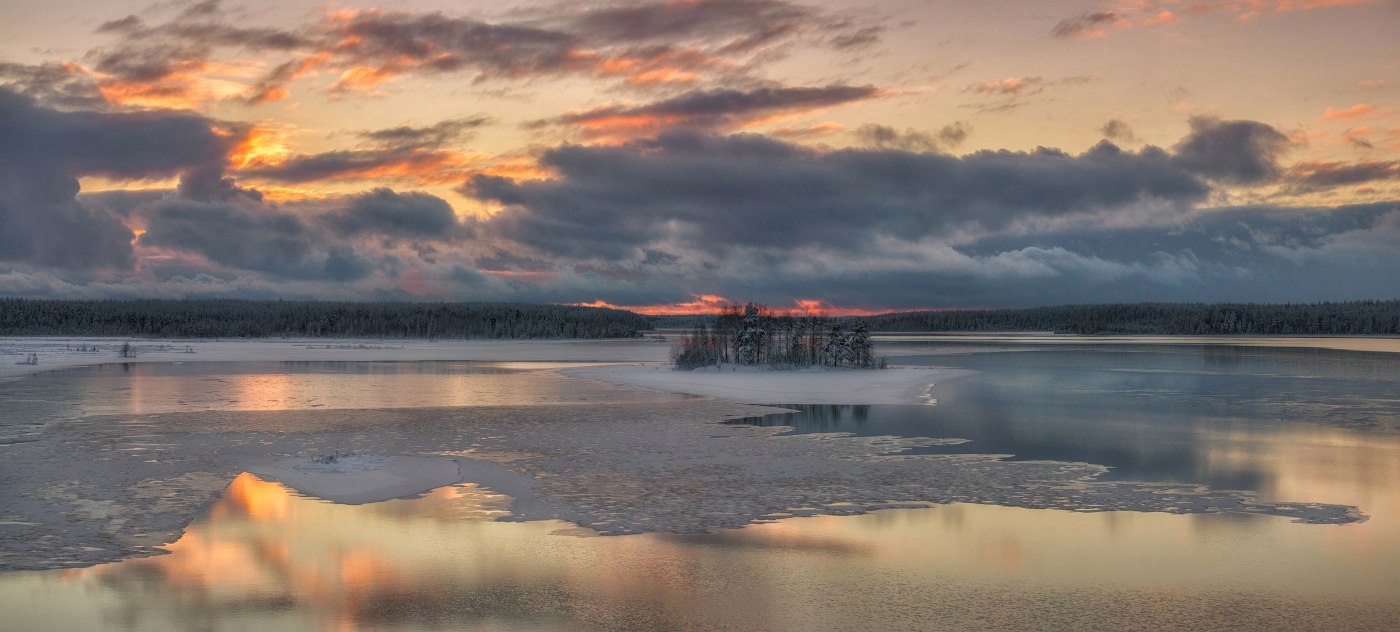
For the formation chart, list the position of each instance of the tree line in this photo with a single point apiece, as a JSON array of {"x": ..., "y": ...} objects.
[
  {"x": 230, "y": 318},
  {"x": 755, "y": 335},
  {"x": 1354, "y": 318},
  {"x": 1173, "y": 319}
]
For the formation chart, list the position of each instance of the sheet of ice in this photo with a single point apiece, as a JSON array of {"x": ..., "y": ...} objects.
[
  {"x": 761, "y": 385},
  {"x": 121, "y": 486}
]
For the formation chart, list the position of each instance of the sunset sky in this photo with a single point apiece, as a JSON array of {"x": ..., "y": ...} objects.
[{"x": 670, "y": 156}]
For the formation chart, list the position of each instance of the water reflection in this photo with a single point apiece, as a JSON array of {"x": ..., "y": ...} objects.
[
  {"x": 140, "y": 388},
  {"x": 1306, "y": 425},
  {"x": 1303, "y": 424},
  {"x": 265, "y": 558}
]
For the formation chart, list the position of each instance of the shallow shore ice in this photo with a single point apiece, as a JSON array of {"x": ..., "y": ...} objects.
[
  {"x": 612, "y": 468},
  {"x": 761, "y": 385}
]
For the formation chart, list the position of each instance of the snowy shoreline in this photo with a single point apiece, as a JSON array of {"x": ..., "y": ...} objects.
[
  {"x": 56, "y": 353},
  {"x": 643, "y": 357},
  {"x": 761, "y": 385}
]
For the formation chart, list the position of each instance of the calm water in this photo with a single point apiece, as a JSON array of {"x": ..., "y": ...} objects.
[
  {"x": 1304, "y": 425},
  {"x": 1203, "y": 415},
  {"x": 139, "y": 388}
]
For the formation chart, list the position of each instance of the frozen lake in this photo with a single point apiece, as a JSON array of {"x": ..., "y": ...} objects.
[{"x": 1209, "y": 449}]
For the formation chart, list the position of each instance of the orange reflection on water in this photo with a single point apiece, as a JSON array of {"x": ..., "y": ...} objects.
[
  {"x": 252, "y": 497},
  {"x": 267, "y": 558},
  {"x": 1308, "y": 463},
  {"x": 139, "y": 389},
  {"x": 272, "y": 391}
]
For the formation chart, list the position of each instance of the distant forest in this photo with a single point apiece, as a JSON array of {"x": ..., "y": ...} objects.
[
  {"x": 1177, "y": 319},
  {"x": 311, "y": 319},
  {"x": 227, "y": 318}
]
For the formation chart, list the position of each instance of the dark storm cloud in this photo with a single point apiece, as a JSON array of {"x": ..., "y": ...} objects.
[
  {"x": 347, "y": 163},
  {"x": 57, "y": 84},
  {"x": 119, "y": 145},
  {"x": 714, "y": 109},
  {"x": 634, "y": 41},
  {"x": 741, "y": 25},
  {"x": 384, "y": 213},
  {"x": 886, "y": 137},
  {"x": 745, "y": 190},
  {"x": 1086, "y": 25},
  {"x": 1117, "y": 130},
  {"x": 643, "y": 44},
  {"x": 435, "y": 135},
  {"x": 1257, "y": 253},
  {"x": 144, "y": 62},
  {"x": 149, "y": 53},
  {"x": 435, "y": 42},
  {"x": 863, "y": 37},
  {"x": 44, "y": 222},
  {"x": 259, "y": 239},
  {"x": 1239, "y": 152},
  {"x": 1241, "y": 254},
  {"x": 46, "y": 150},
  {"x": 1314, "y": 176}
]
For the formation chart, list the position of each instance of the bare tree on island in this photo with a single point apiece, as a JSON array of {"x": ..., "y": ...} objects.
[{"x": 754, "y": 335}]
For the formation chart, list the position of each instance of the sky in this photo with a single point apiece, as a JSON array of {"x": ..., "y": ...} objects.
[{"x": 672, "y": 156}]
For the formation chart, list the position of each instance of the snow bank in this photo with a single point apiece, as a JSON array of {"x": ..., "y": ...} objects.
[
  {"x": 362, "y": 478},
  {"x": 761, "y": 385}
]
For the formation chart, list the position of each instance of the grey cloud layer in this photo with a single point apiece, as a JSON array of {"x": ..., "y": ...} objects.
[
  {"x": 384, "y": 213},
  {"x": 723, "y": 108},
  {"x": 1243, "y": 152},
  {"x": 749, "y": 217},
  {"x": 261, "y": 240},
  {"x": 43, "y": 153},
  {"x": 712, "y": 192}
]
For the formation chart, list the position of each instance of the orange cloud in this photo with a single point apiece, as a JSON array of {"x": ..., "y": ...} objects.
[
  {"x": 1359, "y": 136},
  {"x": 190, "y": 85},
  {"x": 179, "y": 91},
  {"x": 806, "y": 132},
  {"x": 259, "y": 147},
  {"x": 289, "y": 194},
  {"x": 659, "y": 67},
  {"x": 1358, "y": 111},
  {"x": 700, "y": 304},
  {"x": 814, "y": 306},
  {"x": 362, "y": 79},
  {"x": 273, "y": 87},
  {"x": 1009, "y": 85},
  {"x": 714, "y": 304},
  {"x": 415, "y": 282},
  {"x": 1165, "y": 17}
]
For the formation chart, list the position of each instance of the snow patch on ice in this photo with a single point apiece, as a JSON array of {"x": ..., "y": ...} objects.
[{"x": 357, "y": 479}]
